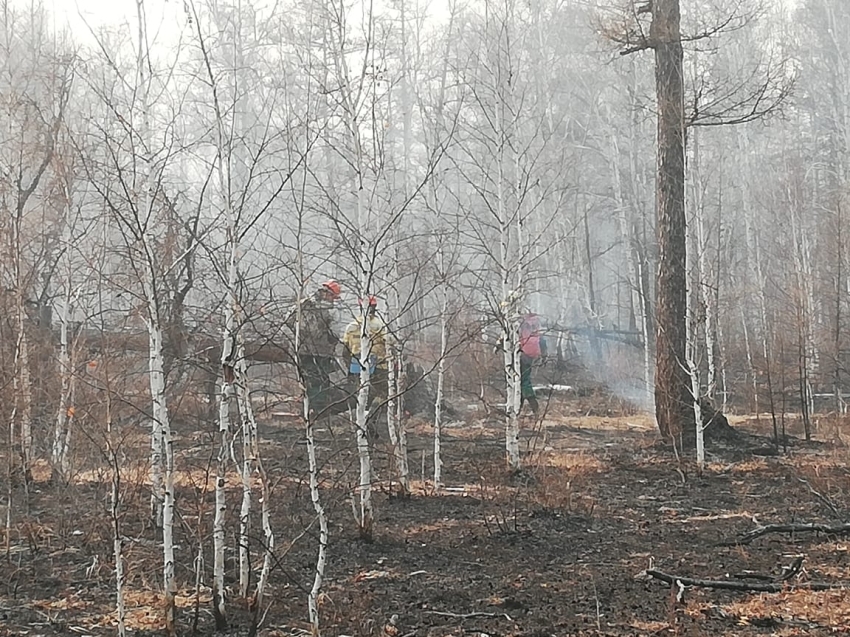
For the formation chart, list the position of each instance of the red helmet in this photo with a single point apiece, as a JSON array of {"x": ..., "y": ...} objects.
[
  {"x": 333, "y": 287},
  {"x": 373, "y": 301}
]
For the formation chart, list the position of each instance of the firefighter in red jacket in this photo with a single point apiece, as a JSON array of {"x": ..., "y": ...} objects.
[{"x": 532, "y": 345}]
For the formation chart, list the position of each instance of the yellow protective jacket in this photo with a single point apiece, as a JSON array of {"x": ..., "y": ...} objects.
[{"x": 377, "y": 336}]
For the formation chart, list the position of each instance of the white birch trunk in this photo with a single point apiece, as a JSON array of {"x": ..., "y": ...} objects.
[
  {"x": 158, "y": 412},
  {"x": 364, "y": 490},
  {"x": 724, "y": 387},
  {"x": 120, "y": 607},
  {"x": 702, "y": 267},
  {"x": 648, "y": 368},
  {"x": 510, "y": 296},
  {"x": 693, "y": 242},
  {"x": 145, "y": 213},
  {"x": 59, "y": 455},
  {"x": 401, "y": 448},
  {"x": 509, "y": 340},
  {"x": 707, "y": 294},
  {"x": 512, "y": 378},
  {"x": 268, "y": 533},
  {"x": 690, "y": 348},
  {"x": 250, "y": 462},
  {"x": 392, "y": 380},
  {"x": 253, "y": 462},
  {"x": 160, "y": 416},
  {"x": 806, "y": 305},
  {"x": 695, "y": 387},
  {"x": 219, "y": 531},
  {"x": 117, "y": 545},
  {"x": 395, "y": 423},
  {"x": 245, "y": 506},
  {"x": 313, "y": 597},
  {"x": 441, "y": 375},
  {"x": 407, "y": 142},
  {"x": 510, "y": 344},
  {"x": 25, "y": 396},
  {"x": 234, "y": 382},
  {"x": 364, "y": 511}
]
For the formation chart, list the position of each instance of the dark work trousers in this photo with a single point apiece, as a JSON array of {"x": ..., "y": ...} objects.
[
  {"x": 316, "y": 371},
  {"x": 526, "y": 387}
]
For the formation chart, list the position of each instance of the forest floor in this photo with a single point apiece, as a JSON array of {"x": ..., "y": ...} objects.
[{"x": 560, "y": 549}]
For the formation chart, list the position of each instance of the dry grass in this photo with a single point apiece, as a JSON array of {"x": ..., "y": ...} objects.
[
  {"x": 827, "y": 608},
  {"x": 569, "y": 473},
  {"x": 563, "y": 480},
  {"x": 576, "y": 463}
]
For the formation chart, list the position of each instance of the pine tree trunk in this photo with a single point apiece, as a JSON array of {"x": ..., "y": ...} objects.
[{"x": 673, "y": 400}]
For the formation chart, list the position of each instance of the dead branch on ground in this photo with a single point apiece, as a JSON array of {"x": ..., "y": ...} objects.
[
  {"x": 467, "y": 615},
  {"x": 778, "y": 584},
  {"x": 826, "y": 529},
  {"x": 824, "y": 499}
]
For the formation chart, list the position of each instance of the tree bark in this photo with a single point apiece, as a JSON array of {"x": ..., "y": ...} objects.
[{"x": 673, "y": 401}]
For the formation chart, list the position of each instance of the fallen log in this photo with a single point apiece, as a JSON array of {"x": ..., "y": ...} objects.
[
  {"x": 747, "y": 587},
  {"x": 826, "y": 529},
  {"x": 204, "y": 347}
]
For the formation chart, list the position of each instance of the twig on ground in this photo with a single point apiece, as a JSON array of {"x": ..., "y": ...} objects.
[
  {"x": 467, "y": 615},
  {"x": 826, "y": 500},
  {"x": 787, "y": 573},
  {"x": 826, "y": 529},
  {"x": 792, "y": 571},
  {"x": 745, "y": 575}
]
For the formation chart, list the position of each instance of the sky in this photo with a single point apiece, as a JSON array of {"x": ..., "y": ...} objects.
[{"x": 165, "y": 17}]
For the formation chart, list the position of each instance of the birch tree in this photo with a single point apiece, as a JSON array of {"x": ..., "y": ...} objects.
[
  {"x": 135, "y": 193},
  {"x": 368, "y": 218},
  {"x": 502, "y": 158},
  {"x": 35, "y": 89},
  {"x": 247, "y": 136}
]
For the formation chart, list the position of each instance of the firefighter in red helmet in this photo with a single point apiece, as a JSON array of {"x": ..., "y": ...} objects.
[{"x": 318, "y": 344}]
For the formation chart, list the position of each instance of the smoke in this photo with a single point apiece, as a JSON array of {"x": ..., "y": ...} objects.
[{"x": 616, "y": 365}]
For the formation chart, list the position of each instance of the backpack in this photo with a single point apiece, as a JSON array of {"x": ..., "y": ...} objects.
[{"x": 529, "y": 337}]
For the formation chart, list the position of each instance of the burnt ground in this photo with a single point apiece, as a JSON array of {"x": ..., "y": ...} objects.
[{"x": 559, "y": 549}]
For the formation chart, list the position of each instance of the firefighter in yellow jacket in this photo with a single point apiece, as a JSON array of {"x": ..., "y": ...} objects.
[{"x": 377, "y": 354}]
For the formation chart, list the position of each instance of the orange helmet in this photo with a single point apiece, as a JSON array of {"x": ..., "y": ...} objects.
[
  {"x": 333, "y": 287},
  {"x": 373, "y": 301}
]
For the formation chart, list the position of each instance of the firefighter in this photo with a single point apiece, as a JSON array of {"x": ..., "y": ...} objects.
[
  {"x": 376, "y": 356},
  {"x": 318, "y": 344},
  {"x": 532, "y": 346}
]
